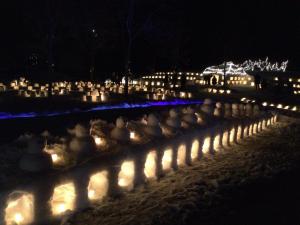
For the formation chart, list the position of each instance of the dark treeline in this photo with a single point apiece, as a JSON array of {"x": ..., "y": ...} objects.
[{"x": 89, "y": 39}]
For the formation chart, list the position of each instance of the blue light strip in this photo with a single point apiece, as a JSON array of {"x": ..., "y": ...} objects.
[{"x": 125, "y": 105}]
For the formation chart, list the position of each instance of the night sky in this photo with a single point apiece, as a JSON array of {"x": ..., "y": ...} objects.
[{"x": 182, "y": 34}]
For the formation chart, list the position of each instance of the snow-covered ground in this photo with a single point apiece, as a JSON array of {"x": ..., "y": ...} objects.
[{"x": 206, "y": 192}]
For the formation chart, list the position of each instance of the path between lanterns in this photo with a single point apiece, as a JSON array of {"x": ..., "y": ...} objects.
[{"x": 254, "y": 182}]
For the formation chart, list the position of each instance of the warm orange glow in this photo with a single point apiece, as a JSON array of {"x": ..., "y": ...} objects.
[
  {"x": 232, "y": 135},
  {"x": 20, "y": 210},
  {"x": 217, "y": 141},
  {"x": 259, "y": 126},
  {"x": 254, "y": 128},
  {"x": 195, "y": 150},
  {"x": 150, "y": 165},
  {"x": 264, "y": 124},
  {"x": 239, "y": 133},
  {"x": 98, "y": 186},
  {"x": 250, "y": 130},
  {"x": 63, "y": 198},
  {"x": 167, "y": 160},
  {"x": 225, "y": 138},
  {"x": 99, "y": 141},
  {"x": 126, "y": 175},
  {"x": 181, "y": 155},
  {"x": 246, "y": 131},
  {"x": 132, "y": 135},
  {"x": 206, "y": 145}
]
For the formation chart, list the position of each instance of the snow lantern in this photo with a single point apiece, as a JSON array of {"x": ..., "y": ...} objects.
[
  {"x": 217, "y": 140},
  {"x": 150, "y": 165},
  {"x": 225, "y": 138},
  {"x": 181, "y": 155},
  {"x": 20, "y": 208},
  {"x": 245, "y": 131},
  {"x": 98, "y": 186},
  {"x": 63, "y": 198},
  {"x": 206, "y": 145},
  {"x": 239, "y": 133},
  {"x": 126, "y": 175},
  {"x": 167, "y": 160},
  {"x": 195, "y": 150},
  {"x": 232, "y": 135}
]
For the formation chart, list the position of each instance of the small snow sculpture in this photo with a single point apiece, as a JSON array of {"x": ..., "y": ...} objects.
[
  {"x": 227, "y": 112},
  {"x": 242, "y": 109},
  {"x": 235, "y": 110},
  {"x": 218, "y": 112},
  {"x": 120, "y": 132},
  {"x": 173, "y": 120},
  {"x": 81, "y": 142},
  {"x": 249, "y": 110},
  {"x": 152, "y": 128},
  {"x": 208, "y": 107},
  {"x": 189, "y": 117},
  {"x": 256, "y": 111},
  {"x": 35, "y": 160}
]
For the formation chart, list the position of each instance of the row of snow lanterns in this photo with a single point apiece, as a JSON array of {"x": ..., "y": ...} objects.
[
  {"x": 153, "y": 128},
  {"x": 273, "y": 105},
  {"x": 218, "y": 91},
  {"x": 20, "y": 208}
]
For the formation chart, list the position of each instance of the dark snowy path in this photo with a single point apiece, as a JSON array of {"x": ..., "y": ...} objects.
[{"x": 253, "y": 183}]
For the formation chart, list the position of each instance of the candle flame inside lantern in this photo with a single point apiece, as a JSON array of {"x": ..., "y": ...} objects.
[
  {"x": 167, "y": 160},
  {"x": 132, "y": 135},
  {"x": 150, "y": 165},
  {"x": 99, "y": 141},
  {"x": 55, "y": 158}
]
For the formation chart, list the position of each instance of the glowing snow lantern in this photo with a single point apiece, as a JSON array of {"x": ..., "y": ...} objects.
[
  {"x": 232, "y": 135},
  {"x": 181, "y": 155},
  {"x": 132, "y": 135},
  {"x": 245, "y": 134},
  {"x": 250, "y": 129},
  {"x": 206, "y": 145},
  {"x": 239, "y": 133},
  {"x": 126, "y": 175},
  {"x": 259, "y": 126},
  {"x": 279, "y": 106},
  {"x": 194, "y": 150},
  {"x": 150, "y": 165},
  {"x": 63, "y": 198},
  {"x": 225, "y": 138},
  {"x": 254, "y": 128},
  {"x": 264, "y": 124},
  {"x": 269, "y": 122},
  {"x": 99, "y": 141},
  {"x": 265, "y": 104},
  {"x": 20, "y": 209},
  {"x": 217, "y": 142},
  {"x": 294, "y": 108},
  {"x": 167, "y": 160},
  {"x": 98, "y": 186}
]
